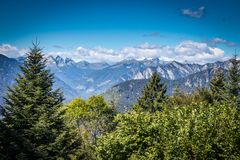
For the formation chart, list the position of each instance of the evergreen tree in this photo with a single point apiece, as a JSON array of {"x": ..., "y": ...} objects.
[
  {"x": 180, "y": 98},
  {"x": 32, "y": 126},
  {"x": 152, "y": 95},
  {"x": 203, "y": 95},
  {"x": 234, "y": 78},
  {"x": 217, "y": 85},
  {"x": 177, "y": 91},
  {"x": 233, "y": 85}
]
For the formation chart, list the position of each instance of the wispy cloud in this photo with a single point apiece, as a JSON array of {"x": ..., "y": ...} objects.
[
  {"x": 218, "y": 41},
  {"x": 152, "y": 34},
  {"x": 195, "y": 14},
  {"x": 58, "y": 47}
]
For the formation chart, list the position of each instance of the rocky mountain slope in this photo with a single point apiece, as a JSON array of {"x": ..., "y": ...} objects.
[
  {"x": 8, "y": 70},
  {"x": 85, "y": 79},
  {"x": 126, "y": 93}
]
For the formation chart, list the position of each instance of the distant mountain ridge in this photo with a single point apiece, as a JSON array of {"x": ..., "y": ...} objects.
[
  {"x": 8, "y": 70},
  {"x": 85, "y": 79},
  {"x": 126, "y": 93}
]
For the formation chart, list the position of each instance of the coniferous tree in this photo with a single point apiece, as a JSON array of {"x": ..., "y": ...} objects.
[
  {"x": 203, "y": 95},
  {"x": 152, "y": 95},
  {"x": 218, "y": 85},
  {"x": 177, "y": 91},
  {"x": 180, "y": 98},
  {"x": 234, "y": 78},
  {"x": 233, "y": 85},
  {"x": 32, "y": 126}
]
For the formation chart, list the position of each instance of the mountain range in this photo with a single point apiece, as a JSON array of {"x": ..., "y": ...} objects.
[
  {"x": 123, "y": 79},
  {"x": 126, "y": 93}
]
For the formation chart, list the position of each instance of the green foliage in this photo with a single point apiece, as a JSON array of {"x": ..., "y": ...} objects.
[
  {"x": 234, "y": 77},
  {"x": 203, "y": 95},
  {"x": 179, "y": 98},
  {"x": 93, "y": 118},
  {"x": 218, "y": 85},
  {"x": 233, "y": 85},
  {"x": 152, "y": 95},
  {"x": 199, "y": 131},
  {"x": 32, "y": 126},
  {"x": 137, "y": 136}
]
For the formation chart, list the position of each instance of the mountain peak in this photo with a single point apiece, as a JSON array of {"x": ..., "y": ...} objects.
[
  {"x": 69, "y": 61},
  {"x": 59, "y": 61}
]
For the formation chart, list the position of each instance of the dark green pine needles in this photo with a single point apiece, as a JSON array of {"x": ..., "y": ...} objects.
[
  {"x": 218, "y": 85},
  {"x": 32, "y": 126},
  {"x": 234, "y": 77},
  {"x": 152, "y": 95}
]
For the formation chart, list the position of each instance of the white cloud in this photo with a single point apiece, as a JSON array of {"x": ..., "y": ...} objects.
[
  {"x": 197, "y": 52},
  {"x": 190, "y": 51},
  {"x": 196, "y": 14},
  {"x": 11, "y": 51},
  {"x": 98, "y": 54}
]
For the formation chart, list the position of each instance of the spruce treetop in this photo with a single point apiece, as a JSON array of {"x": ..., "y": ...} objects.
[{"x": 153, "y": 94}]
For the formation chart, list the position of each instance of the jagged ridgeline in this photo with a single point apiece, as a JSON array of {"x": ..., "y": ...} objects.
[
  {"x": 85, "y": 79},
  {"x": 125, "y": 94}
]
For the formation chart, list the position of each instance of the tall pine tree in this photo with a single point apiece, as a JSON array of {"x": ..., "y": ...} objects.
[
  {"x": 218, "y": 85},
  {"x": 233, "y": 85},
  {"x": 32, "y": 126},
  {"x": 152, "y": 95},
  {"x": 234, "y": 77}
]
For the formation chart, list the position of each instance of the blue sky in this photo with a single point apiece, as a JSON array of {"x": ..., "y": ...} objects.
[{"x": 65, "y": 25}]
